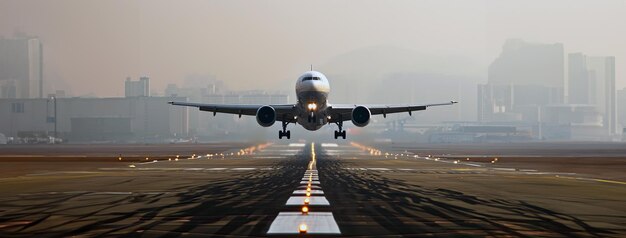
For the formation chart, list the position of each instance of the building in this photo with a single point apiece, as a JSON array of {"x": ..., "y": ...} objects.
[
  {"x": 581, "y": 89},
  {"x": 592, "y": 82},
  {"x": 621, "y": 107},
  {"x": 140, "y": 88},
  {"x": 525, "y": 77},
  {"x": 95, "y": 119},
  {"x": 21, "y": 68}
]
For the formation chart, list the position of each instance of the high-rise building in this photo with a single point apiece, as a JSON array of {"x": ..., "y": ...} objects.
[
  {"x": 580, "y": 86},
  {"x": 523, "y": 78},
  {"x": 621, "y": 107},
  {"x": 592, "y": 81},
  {"x": 140, "y": 88},
  {"x": 21, "y": 68}
]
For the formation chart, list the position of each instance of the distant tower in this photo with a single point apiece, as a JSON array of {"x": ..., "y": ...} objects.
[
  {"x": 592, "y": 81},
  {"x": 21, "y": 67},
  {"x": 140, "y": 88}
]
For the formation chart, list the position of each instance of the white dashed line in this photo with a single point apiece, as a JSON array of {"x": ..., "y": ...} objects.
[
  {"x": 322, "y": 223},
  {"x": 314, "y": 201}
]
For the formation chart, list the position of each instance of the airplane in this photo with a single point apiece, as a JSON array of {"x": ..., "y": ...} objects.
[{"x": 312, "y": 111}]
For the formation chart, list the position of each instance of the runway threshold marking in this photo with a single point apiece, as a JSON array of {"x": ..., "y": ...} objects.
[{"x": 306, "y": 221}]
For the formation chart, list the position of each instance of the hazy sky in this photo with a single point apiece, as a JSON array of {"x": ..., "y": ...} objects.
[{"x": 94, "y": 45}]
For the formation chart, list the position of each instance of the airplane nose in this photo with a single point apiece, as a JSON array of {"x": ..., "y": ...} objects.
[{"x": 314, "y": 86}]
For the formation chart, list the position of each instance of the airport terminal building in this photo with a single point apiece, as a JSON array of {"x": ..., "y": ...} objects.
[{"x": 120, "y": 119}]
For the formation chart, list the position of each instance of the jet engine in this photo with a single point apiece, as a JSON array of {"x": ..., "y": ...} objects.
[
  {"x": 266, "y": 116},
  {"x": 361, "y": 116}
]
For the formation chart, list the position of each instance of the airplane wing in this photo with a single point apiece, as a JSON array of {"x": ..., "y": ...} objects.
[
  {"x": 284, "y": 112},
  {"x": 343, "y": 112}
]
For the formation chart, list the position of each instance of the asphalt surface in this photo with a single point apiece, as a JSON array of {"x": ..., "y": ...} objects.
[{"x": 237, "y": 190}]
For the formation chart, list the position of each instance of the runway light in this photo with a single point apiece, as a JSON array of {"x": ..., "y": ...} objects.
[
  {"x": 305, "y": 210},
  {"x": 456, "y": 161},
  {"x": 308, "y": 189},
  {"x": 307, "y": 201},
  {"x": 132, "y": 166},
  {"x": 119, "y": 158},
  {"x": 308, "y": 194},
  {"x": 302, "y": 228},
  {"x": 176, "y": 159},
  {"x": 146, "y": 158},
  {"x": 169, "y": 159}
]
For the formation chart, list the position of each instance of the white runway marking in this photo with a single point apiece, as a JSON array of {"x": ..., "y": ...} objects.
[
  {"x": 194, "y": 169},
  {"x": 151, "y": 162},
  {"x": 379, "y": 169},
  {"x": 317, "y": 222},
  {"x": 504, "y": 169},
  {"x": 329, "y": 145},
  {"x": 313, "y": 192},
  {"x": 314, "y": 201},
  {"x": 243, "y": 169},
  {"x": 313, "y": 222},
  {"x": 296, "y": 145},
  {"x": 314, "y": 182}
]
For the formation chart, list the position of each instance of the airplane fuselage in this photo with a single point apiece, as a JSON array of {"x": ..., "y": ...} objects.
[{"x": 312, "y": 89}]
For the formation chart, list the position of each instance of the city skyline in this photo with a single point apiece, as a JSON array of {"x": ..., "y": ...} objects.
[{"x": 169, "y": 41}]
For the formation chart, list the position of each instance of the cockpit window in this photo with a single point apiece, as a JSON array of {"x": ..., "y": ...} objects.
[{"x": 310, "y": 78}]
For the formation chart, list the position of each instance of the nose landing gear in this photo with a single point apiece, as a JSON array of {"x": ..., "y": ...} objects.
[{"x": 311, "y": 118}]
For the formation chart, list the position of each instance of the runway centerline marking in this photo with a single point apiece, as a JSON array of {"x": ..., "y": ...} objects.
[{"x": 306, "y": 221}]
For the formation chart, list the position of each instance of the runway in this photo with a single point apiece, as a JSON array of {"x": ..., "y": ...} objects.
[{"x": 240, "y": 189}]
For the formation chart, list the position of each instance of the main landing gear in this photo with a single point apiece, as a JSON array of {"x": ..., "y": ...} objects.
[
  {"x": 284, "y": 132},
  {"x": 340, "y": 133}
]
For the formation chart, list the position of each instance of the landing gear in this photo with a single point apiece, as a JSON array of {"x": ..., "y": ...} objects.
[
  {"x": 284, "y": 132},
  {"x": 340, "y": 133}
]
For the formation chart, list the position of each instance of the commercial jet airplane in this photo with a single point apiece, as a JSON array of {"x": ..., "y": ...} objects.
[{"x": 312, "y": 111}]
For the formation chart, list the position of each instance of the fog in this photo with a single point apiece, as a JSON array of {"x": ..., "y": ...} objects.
[{"x": 370, "y": 50}]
